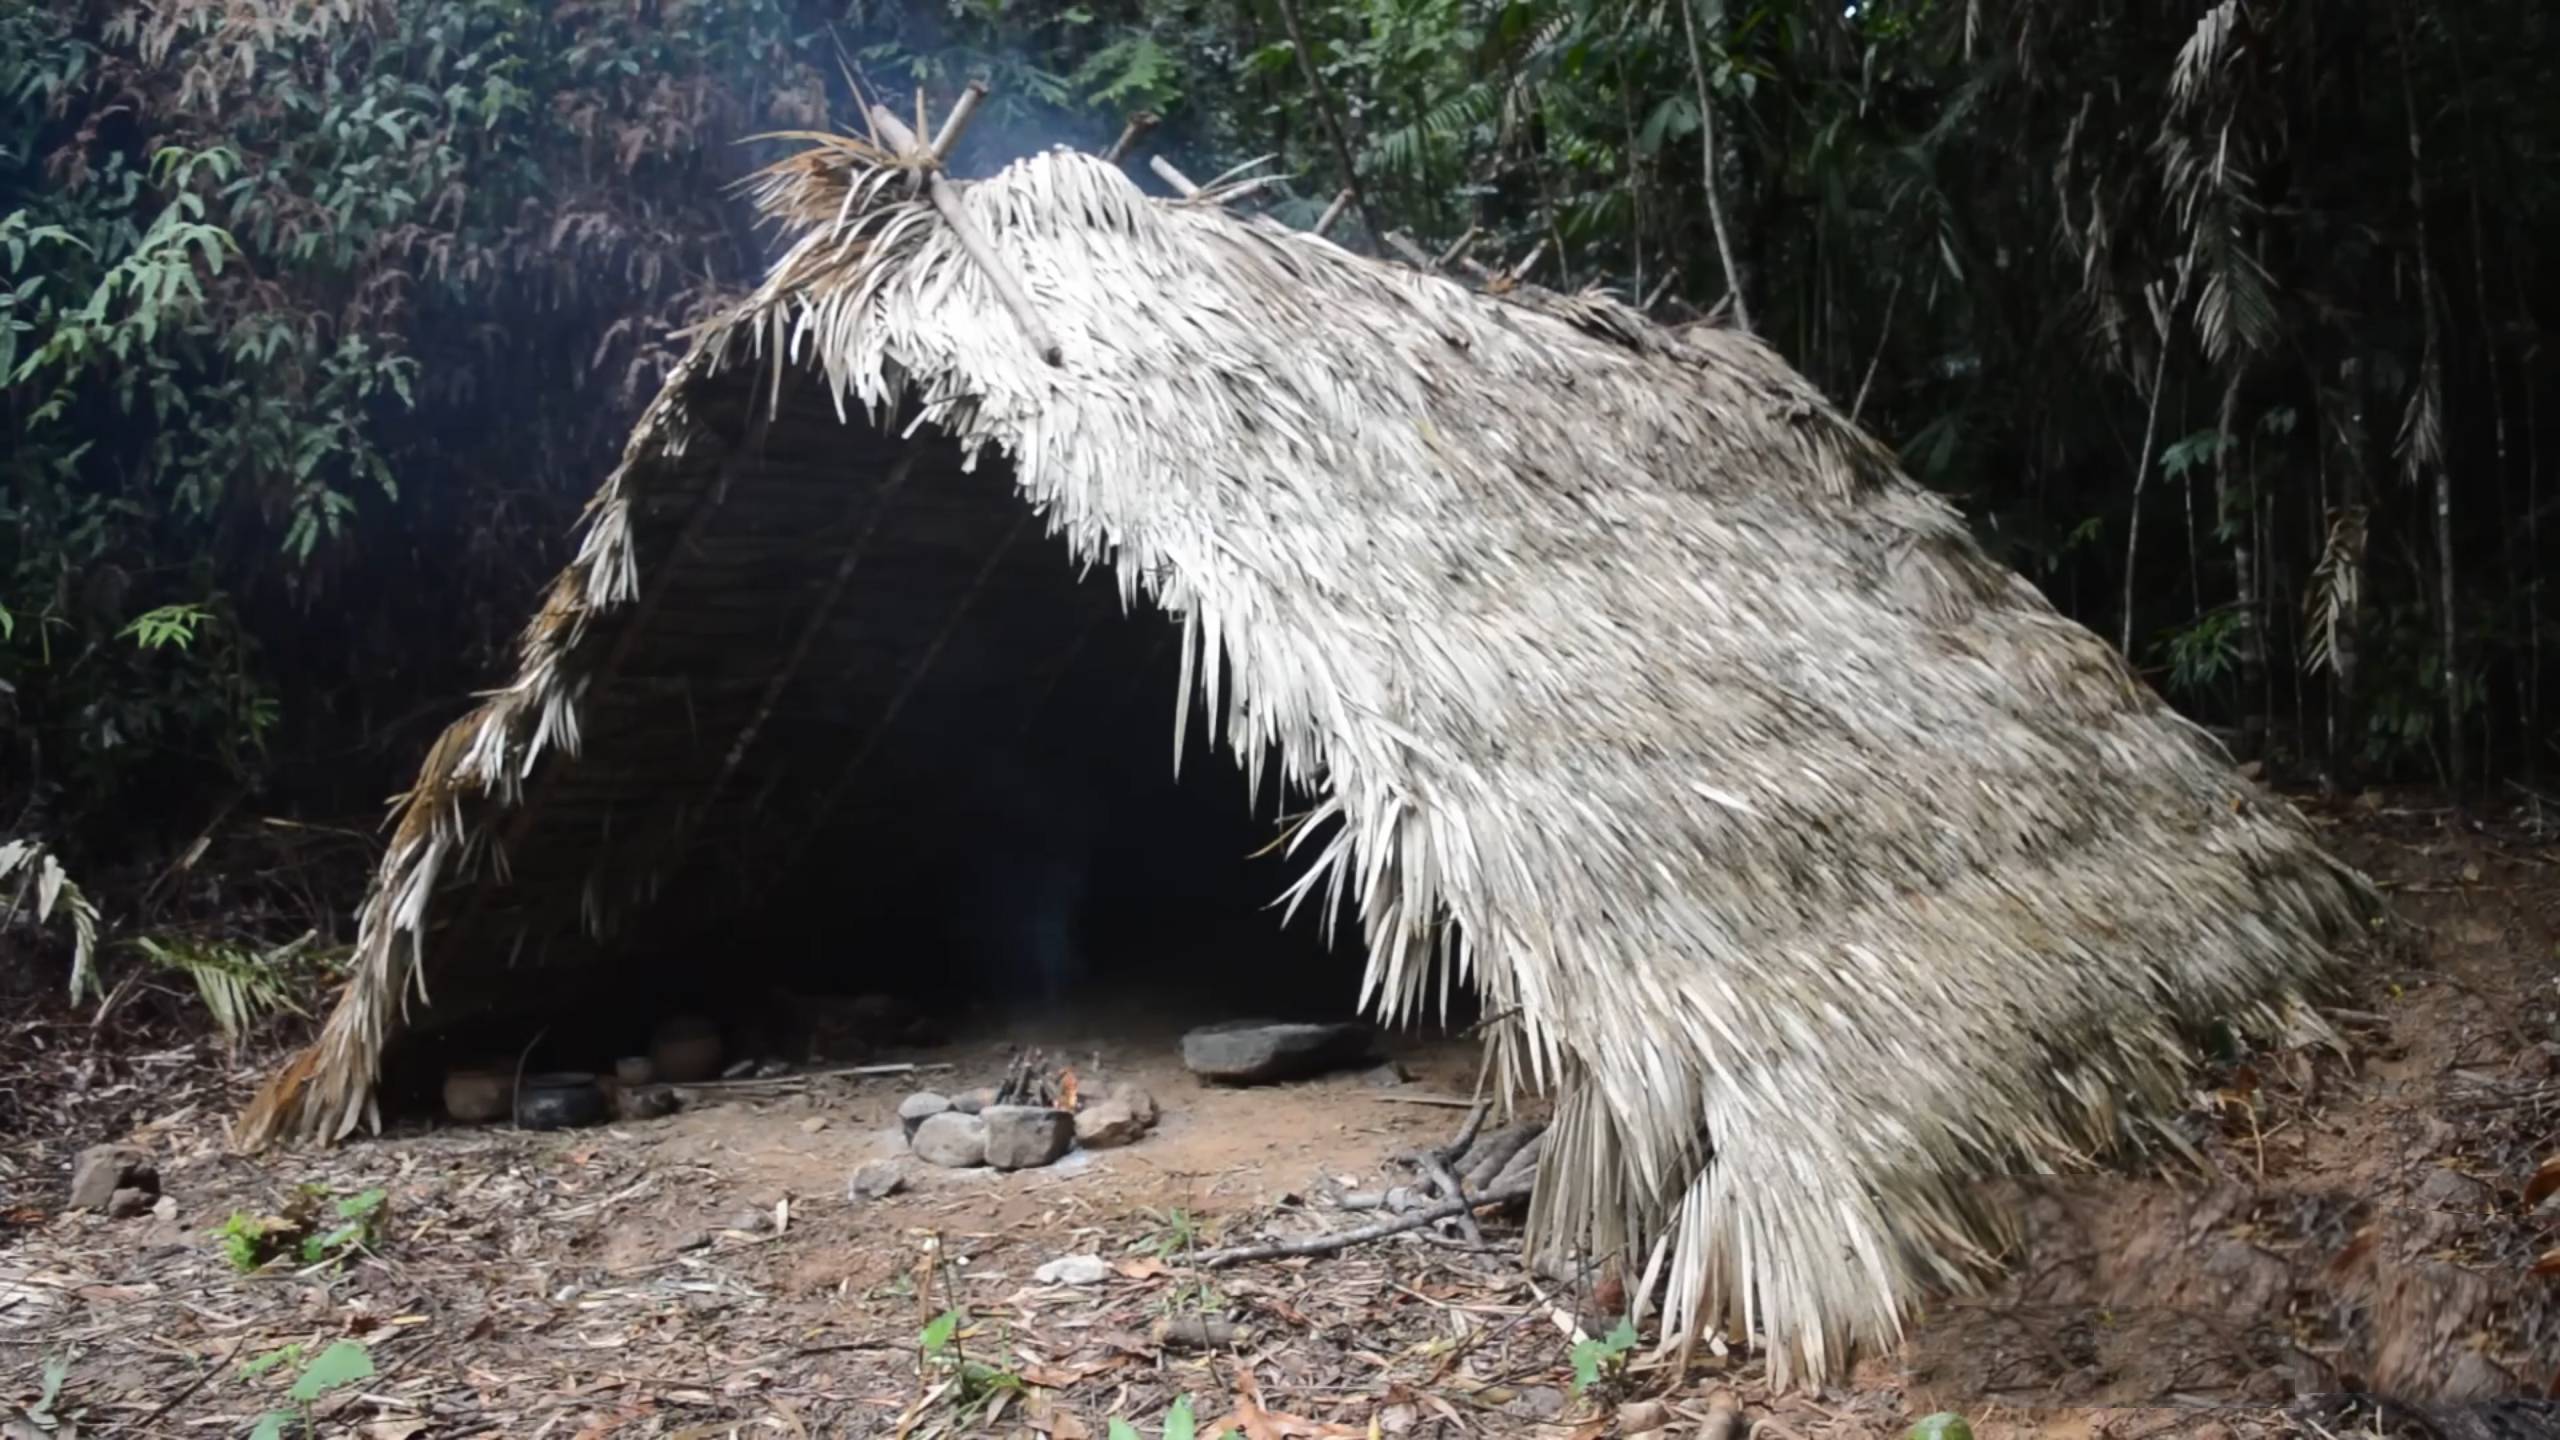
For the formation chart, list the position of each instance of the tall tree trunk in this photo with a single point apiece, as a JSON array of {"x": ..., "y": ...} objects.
[{"x": 2423, "y": 439}]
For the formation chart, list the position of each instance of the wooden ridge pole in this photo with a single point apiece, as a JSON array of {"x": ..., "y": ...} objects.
[{"x": 946, "y": 199}]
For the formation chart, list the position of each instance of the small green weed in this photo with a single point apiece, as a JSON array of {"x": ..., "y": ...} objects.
[
  {"x": 978, "y": 1385},
  {"x": 1179, "y": 1424},
  {"x": 337, "y": 1367},
  {"x": 1945, "y": 1425},
  {"x": 1601, "y": 1360},
  {"x": 44, "y": 1417},
  {"x": 1176, "y": 1233},
  {"x": 313, "y": 1227}
]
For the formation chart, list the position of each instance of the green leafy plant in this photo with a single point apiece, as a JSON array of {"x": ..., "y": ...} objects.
[
  {"x": 43, "y": 1415},
  {"x": 313, "y": 1227},
  {"x": 343, "y": 1364},
  {"x": 1945, "y": 1425},
  {"x": 976, "y": 1385},
  {"x": 1596, "y": 1362},
  {"x": 166, "y": 626},
  {"x": 1176, "y": 1232},
  {"x": 1179, "y": 1424},
  {"x": 359, "y": 1220}
]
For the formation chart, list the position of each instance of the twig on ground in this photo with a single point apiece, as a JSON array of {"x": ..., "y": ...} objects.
[
  {"x": 1345, "y": 1239},
  {"x": 749, "y": 1081}
]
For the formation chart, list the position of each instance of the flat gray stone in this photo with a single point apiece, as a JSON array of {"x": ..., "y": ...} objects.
[
  {"x": 1105, "y": 1124},
  {"x": 1140, "y": 1103},
  {"x": 952, "y": 1140},
  {"x": 1258, "y": 1052},
  {"x": 918, "y": 1108},
  {"x": 1074, "y": 1270},
  {"x": 876, "y": 1181},
  {"x": 102, "y": 1170},
  {"x": 128, "y": 1202},
  {"x": 971, "y": 1102},
  {"x": 1024, "y": 1137}
]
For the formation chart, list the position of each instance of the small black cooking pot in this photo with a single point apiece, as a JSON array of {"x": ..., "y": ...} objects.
[{"x": 559, "y": 1101}]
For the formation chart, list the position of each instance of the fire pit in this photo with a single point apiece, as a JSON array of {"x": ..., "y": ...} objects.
[{"x": 1031, "y": 1117}]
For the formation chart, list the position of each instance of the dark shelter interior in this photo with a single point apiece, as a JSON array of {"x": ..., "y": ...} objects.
[{"x": 870, "y": 732}]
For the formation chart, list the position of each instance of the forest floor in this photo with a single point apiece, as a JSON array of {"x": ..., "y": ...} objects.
[{"x": 2373, "y": 1221}]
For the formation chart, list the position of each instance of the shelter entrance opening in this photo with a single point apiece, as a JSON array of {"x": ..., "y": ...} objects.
[{"x": 870, "y": 768}]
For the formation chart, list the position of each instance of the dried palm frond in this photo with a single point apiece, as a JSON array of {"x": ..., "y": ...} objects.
[
  {"x": 239, "y": 986},
  {"x": 2336, "y": 585},
  {"x": 1824, "y": 871},
  {"x": 28, "y": 865}
]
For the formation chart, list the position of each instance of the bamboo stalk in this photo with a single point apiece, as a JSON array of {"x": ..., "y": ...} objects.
[
  {"x": 1180, "y": 182},
  {"x": 1403, "y": 245},
  {"x": 1324, "y": 111},
  {"x": 1333, "y": 212},
  {"x": 946, "y": 199},
  {"x": 962, "y": 110},
  {"x": 1715, "y": 195},
  {"x": 1139, "y": 124},
  {"x": 1460, "y": 246}
]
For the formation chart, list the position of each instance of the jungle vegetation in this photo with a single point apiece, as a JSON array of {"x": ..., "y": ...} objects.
[{"x": 320, "y": 318}]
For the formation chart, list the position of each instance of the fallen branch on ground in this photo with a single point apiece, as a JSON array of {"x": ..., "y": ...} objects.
[
  {"x": 1345, "y": 1239},
  {"x": 746, "y": 1081}
]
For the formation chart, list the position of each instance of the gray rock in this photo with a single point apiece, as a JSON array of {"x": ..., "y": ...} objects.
[
  {"x": 2537, "y": 1060},
  {"x": 1140, "y": 1103},
  {"x": 918, "y": 1108},
  {"x": 102, "y": 1170},
  {"x": 1074, "y": 1270},
  {"x": 952, "y": 1140},
  {"x": 1105, "y": 1124},
  {"x": 1021, "y": 1137},
  {"x": 971, "y": 1102},
  {"x": 876, "y": 1181},
  {"x": 1386, "y": 1076},
  {"x": 2453, "y": 1190},
  {"x": 2474, "y": 1377},
  {"x": 1256, "y": 1052},
  {"x": 128, "y": 1202}
]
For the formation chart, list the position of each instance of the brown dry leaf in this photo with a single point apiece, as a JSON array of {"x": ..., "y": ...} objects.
[
  {"x": 395, "y": 1429},
  {"x": 2548, "y": 1265},
  {"x": 1145, "y": 1267},
  {"x": 2545, "y": 1181}
]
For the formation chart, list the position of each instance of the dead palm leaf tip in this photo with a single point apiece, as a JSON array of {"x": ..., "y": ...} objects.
[{"x": 1824, "y": 872}]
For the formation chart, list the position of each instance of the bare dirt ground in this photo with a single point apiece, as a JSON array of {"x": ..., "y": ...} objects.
[{"x": 2370, "y": 1219}]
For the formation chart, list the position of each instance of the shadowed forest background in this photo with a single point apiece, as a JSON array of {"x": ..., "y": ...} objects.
[{"x": 319, "y": 321}]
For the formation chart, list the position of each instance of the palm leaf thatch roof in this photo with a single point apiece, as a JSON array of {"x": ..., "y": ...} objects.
[{"x": 1818, "y": 868}]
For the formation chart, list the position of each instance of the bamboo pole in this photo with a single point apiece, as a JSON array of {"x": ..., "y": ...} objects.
[
  {"x": 946, "y": 199},
  {"x": 1180, "y": 182},
  {"x": 962, "y": 110},
  {"x": 1324, "y": 111},
  {"x": 1139, "y": 124},
  {"x": 1333, "y": 212}
]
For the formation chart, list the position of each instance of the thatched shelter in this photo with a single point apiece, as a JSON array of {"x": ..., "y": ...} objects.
[{"x": 1817, "y": 867}]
